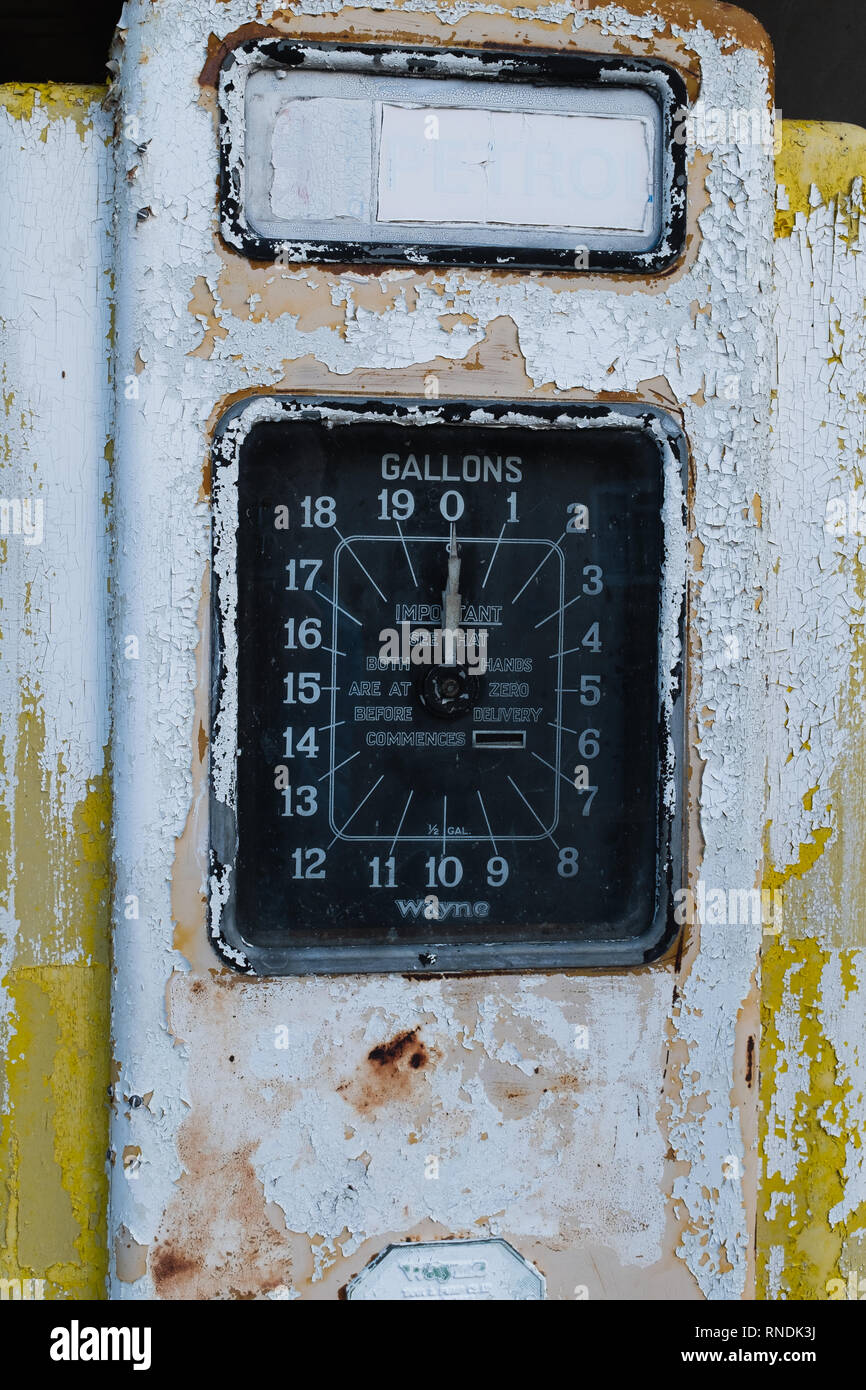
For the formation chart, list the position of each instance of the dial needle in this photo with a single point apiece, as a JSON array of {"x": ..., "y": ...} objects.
[{"x": 451, "y": 600}]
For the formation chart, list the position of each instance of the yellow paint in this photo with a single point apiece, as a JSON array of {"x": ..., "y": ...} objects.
[
  {"x": 54, "y": 1119},
  {"x": 815, "y": 1249},
  {"x": 809, "y": 854},
  {"x": 57, "y": 100},
  {"x": 824, "y": 154}
]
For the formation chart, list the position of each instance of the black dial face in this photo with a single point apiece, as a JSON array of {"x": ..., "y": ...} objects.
[{"x": 448, "y": 716}]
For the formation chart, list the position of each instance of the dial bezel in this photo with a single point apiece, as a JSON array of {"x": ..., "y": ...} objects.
[{"x": 436, "y": 956}]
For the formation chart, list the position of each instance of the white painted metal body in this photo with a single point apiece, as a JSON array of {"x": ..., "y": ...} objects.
[{"x": 599, "y": 1122}]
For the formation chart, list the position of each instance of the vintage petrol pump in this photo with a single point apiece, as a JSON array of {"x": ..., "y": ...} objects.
[{"x": 481, "y": 501}]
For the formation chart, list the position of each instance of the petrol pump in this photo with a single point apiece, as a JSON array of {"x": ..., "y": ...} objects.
[{"x": 484, "y": 658}]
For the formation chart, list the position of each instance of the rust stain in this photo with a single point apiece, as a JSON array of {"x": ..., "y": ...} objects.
[
  {"x": 169, "y": 1264},
  {"x": 219, "y": 1233},
  {"x": 218, "y": 49},
  {"x": 388, "y": 1073},
  {"x": 744, "y": 1108},
  {"x": 388, "y": 1053}
]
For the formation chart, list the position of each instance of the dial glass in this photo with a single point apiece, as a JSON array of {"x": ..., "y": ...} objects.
[{"x": 447, "y": 730}]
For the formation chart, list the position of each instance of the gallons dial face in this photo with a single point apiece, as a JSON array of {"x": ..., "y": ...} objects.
[{"x": 448, "y": 714}]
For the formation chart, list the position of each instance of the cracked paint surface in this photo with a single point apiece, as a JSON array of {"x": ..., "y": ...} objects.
[
  {"x": 279, "y": 1171},
  {"x": 54, "y": 777},
  {"x": 812, "y": 1220}
]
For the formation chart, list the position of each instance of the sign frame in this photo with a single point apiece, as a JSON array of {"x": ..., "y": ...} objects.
[{"x": 538, "y": 68}]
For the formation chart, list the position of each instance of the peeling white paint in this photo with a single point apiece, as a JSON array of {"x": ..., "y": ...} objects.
[
  {"x": 843, "y": 1022},
  {"x": 819, "y": 448},
  {"x": 54, "y": 312},
  {"x": 56, "y": 425},
  {"x": 816, "y": 593}
]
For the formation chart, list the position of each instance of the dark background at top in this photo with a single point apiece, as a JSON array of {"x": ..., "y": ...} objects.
[{"x": 819, "y": 49}]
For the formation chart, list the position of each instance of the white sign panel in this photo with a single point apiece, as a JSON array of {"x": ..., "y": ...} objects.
[
  {"x": 320, "y": 152},
  {"x": 514, "y": 168}
]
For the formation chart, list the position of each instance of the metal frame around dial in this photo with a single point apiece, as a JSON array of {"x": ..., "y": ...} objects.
[{"x": 436, "y": 957}]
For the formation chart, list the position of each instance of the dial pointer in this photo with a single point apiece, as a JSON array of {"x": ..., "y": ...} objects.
[{"x": 451, "y": 604}]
